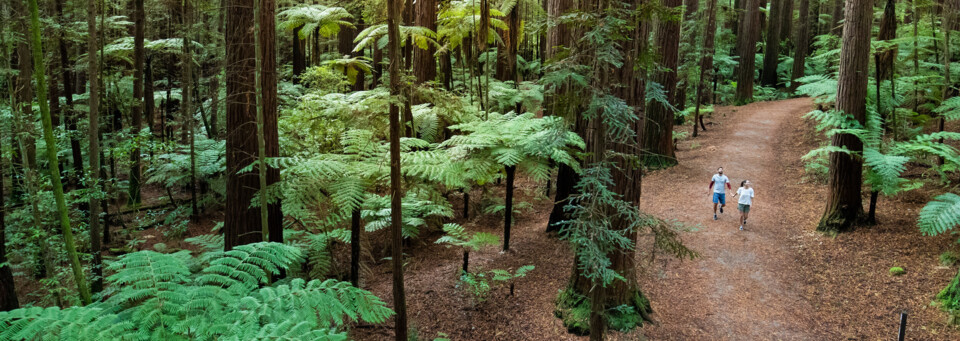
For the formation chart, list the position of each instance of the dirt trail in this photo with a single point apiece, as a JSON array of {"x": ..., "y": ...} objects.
[{"x": 744, "y": 285}]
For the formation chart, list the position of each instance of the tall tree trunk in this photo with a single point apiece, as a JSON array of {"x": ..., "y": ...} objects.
[
  {"x": 835, "y": 27},
  {"x": 844, "y": 203},
  {"x": 187, "y": 85},
  {"x": 139, "y": 19},
  {"x": 8, "y": 292},
  {"x": 786, "y": 23},
  {"x": 242, "y": 224},
  {"x": 771, "y": 56},
  {"x": 802, "y": 44},
  {"x": 706, "y": 62},
  {"x": 884, "y": 64},
  {"x": 355, "y": 232},
  {"x": 149, "y": 104},
  {"x": 424, "y": 62},
  {"x": 399, "y": 297},
  {"x": 300, "y": 53},
  {"x": 93, "y": 146},
  {"x": 657, "y": 140},
  {"x": 560, "y": 36},
  {"x": 51, "y": 143},
  {"x": 747, "y": 47},
  {"x": 68, "y": 91},
  {"x": 268, "y": 88}
]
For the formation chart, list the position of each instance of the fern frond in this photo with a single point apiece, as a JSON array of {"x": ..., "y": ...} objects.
[{"x": 940, "y": 215}]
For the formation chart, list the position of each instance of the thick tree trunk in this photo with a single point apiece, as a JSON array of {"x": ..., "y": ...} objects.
[
  {"x": 771, "y": 56},
  {"x": 93, "y": 147},
  {"x": 657, "y": 142},
  {"x": 424, "y": 62},
  {"x": 241, "y": 222},
  {"x": 844, "y": 203},
  {"x": 139, "y": 19},
  {"x": 559, "y": 35},
  {"x": 706, "y": 62},
  {"x": 8, "y": 292},
  {"x": 747, "y": 47},
  {"x": 399, "y": 297},
  {"x": 786, "y": 21},
  {"x": 507, "y": 54},
  {"x": 802, "y": 44}
]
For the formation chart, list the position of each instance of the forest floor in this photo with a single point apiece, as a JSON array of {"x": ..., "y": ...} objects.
[{"x": 777, "y": 279}]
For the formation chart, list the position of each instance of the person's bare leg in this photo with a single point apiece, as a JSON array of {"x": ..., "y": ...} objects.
[{"x": 714, "y": 208}]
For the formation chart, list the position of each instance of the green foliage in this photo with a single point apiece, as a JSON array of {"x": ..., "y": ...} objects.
[
  {"x": 417, "y": 210},
  {"x": 155, "y": 296},
  {"x": 949, "y": 258},
  {"x": 479, "y": 284},
  {"x": 456, "y": 235},
  {"x": 940, "y": 215},
  {"x": 313, "y": 19},
  {"x": 897, "y": 271},
  {"x": 574, "y": 310}
]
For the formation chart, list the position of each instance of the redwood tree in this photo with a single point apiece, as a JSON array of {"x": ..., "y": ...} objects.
[
  {"x": 424, "y": 62},
  {"x": 771, "y": 56},
  {"x": 706, "y": 63},
  {"x": 657, "y": 139},
  {"x": 844, "y": 203},
  {"x": 93, "y": 147},
  {"x": 747, "y": 47},
  {"x": 241, "y": 222},
  {"x": 802, "y": 42}
]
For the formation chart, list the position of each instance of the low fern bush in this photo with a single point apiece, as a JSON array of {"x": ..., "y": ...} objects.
[
  {"x": 480, "y": 283},
  {"x": 156, "y": 296}
]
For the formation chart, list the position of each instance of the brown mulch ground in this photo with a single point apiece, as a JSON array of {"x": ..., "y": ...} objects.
[{"x": 777, "y": 280}]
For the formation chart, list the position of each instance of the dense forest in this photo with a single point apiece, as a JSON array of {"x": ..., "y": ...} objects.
[{"x": 478, "y": 169}]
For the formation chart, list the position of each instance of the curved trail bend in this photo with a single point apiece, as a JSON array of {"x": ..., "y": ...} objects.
[{"x": 744, "y": 285}]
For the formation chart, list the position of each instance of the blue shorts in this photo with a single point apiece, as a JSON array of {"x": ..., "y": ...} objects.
[{"x": 720, "y": 198}]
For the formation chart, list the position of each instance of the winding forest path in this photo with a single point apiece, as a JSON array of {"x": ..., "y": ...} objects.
[{"x": 745, "y": 284}]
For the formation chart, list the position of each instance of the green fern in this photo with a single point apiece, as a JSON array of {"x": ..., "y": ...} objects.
[
  {"x": 311, "y": 19},
  {"x": 456, "y": 235},
  {"x": 940, "y": 215}
]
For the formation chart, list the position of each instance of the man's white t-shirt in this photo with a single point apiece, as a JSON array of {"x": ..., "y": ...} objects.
[
  {"x": 746, "y": 195},
  {"x": 719, "y": 181}
]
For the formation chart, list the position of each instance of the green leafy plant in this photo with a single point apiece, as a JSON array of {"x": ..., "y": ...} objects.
[
  {"x": 480, "y": 283},
  {"x": 157, "y": 295}
]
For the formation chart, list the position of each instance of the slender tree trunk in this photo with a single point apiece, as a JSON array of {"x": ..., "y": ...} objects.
[
  {"x": 187, "y": 102},
  {"x": 885, "y": 59},
  {"x": 68, "y": 90},
  {"x": 558, "y": 36},
  {"x": 93, "y": 147},
  {"x": 355, "y": 231},
  {"x": 747, "y": 47},
  {"x": 139, "y": 19},
  {"x": 299, "y": 54},
  {"x": 508, "y": 209},
  {"x": 771, "y": 56},
  {"x": 802, "y": 44},
  {"x": 950, "y": 13},
  {"x": 149, "y": 104},
  {"x": 706, "y": 61},
  {"x": 844, "y": 206},
  {"x": 268, "y": 87},
  {"x": 51, "y": 142},
  {"x": 399, "y": 297},
  {"x": 657, "y": 140}
]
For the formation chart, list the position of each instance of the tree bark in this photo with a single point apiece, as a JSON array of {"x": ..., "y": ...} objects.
[
  {"x": 399, "y": 297},
  {"x": 8, "y": 292},
  {"x": 706, "y": 61},
  {"x": 424, "y": 62},
  {"x": 355, "y": 231},
  {"x": 242, "y": 224},
  {"x": 747, "y": 47},
  {"x": 299, "y": 53},
  {"x": 139, "y": 19},
  {"x": 268, "y": 87},
  {"x": 559, "y": 35},
  {"x": 835, "y": 27},
  {"x": 93, "y": 147},
  {"x": 802, "y": 44},
  {"x": 786, "y": 21},
  {"x": 844, "y": 203},
  {"x": 657, "y": 142},
  {"x": 771, "y": 56}
]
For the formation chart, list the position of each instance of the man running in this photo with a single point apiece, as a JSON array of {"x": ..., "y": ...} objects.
[{"x": 719, "y": 192}]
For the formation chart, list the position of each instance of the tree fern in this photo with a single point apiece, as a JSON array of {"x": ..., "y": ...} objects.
[
  {"x": 940, "y": 215},
  {"x": 311, "y": 19}
]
